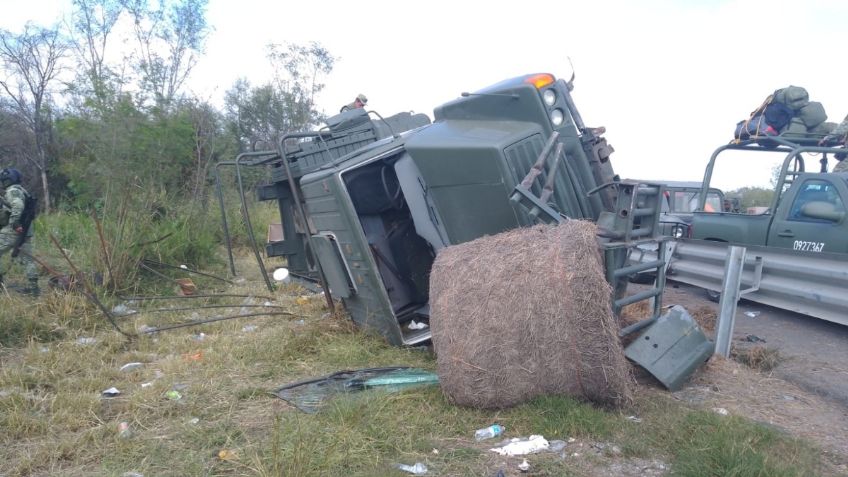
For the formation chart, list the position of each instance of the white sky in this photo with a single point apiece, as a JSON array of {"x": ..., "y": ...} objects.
[{"x": 669, "y": 80}]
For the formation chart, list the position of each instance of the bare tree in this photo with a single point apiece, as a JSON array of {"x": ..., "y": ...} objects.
[
  {"x": 31, "y": 61},
  {"x": 92, "y": 24},
  {"x": 171, "y": 36}
]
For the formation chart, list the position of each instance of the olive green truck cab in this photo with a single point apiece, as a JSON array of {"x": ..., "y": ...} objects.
[{"x": 807, "y": 212}]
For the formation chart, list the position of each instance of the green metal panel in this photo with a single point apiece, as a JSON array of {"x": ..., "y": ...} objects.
[
  {"x": 329, "y": 255},
  {"x": 672, "y": 348}
]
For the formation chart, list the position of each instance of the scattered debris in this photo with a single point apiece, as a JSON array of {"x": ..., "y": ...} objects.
[
  {"x": 282, "y": 275},
  {"x": 132, "y": 474},
  {"x": 194, "y": 420},
  {"x": 86, "y": 341},
  {"x": 173, "y": 395},
  {"x": 754, "y": 339},
  {"x": 488, "y": 432},
  {"x": 435, "y": 451},
  {"x": 197, "y": 356},
  {"x": 227, "y": 454},
  {"x": 111, "y": 392},
  {"x": 131, "y": 367},
  {"x": 413, "y": 325},
  {"x": 199, "y": 337},
  {"x": 417, "y": 469},
  {"x": 124, "y": 431},
  {"x": 634, "y": 419},
  {"x": 249, "y": 328},
  {"x": 752, "y": 314},
  {"x": 123, "y": 310},
  {"x": 309, "y": 395},
  {"x": 720, "y": 410},
  {"x": 523, "y": 446},
  {"x": 146, "y": 385},
  {"x": 524, "y": 466},
  {"x": 186, "y": 287}
]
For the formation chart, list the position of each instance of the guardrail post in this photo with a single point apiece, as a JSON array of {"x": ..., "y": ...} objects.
[{"x": 729, "y": 297}]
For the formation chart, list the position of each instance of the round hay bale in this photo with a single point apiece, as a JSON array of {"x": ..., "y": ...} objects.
[{"x": 524, "y": 313}]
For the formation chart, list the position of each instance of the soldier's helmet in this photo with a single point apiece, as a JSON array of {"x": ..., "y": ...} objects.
[{"x": 10, "y": 176}]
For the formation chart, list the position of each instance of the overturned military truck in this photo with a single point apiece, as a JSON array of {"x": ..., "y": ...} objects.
[{"x": 366, "y": 203}]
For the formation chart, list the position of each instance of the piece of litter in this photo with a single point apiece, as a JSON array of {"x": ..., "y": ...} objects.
[
  {"x": 267, "y": 303},
  {"x": 754, "y": 339},
  {"x": 249, "y": 328},
  {"x": 45, "y": 349},
  {"x": 300, "y": 322},
  {"x": 173, "y": 395},
  {"x": 413, "y": 325},
  {"x": 124, "y": 431},
  {"x": 634, "y": 418},
  {"x": 179, "y": 387},
  {"x": 184, "y": 267},
  {"x": 86, "y": 341},
  {"x": 436, "y": 451},
  {"x": 524, "y": 446},
  {"x": 122, "y": 310},
  {"x": 132, "y": 474},
  {"x": 194, "y": 420},
  {"x": 111, "y": 392},
  {"x": 417, "y": 469},
  {"x": 146, "y": 329},
  {"x": 199, "y": 337},
  {"x": 226, "y": 454},
  {"x": 281, "y": 275},
  {"x": 131, "y": 366},
  {"x": 301, "y": 300},
  {"x": 193, "y": 356},
  {"x": 239, "y": 280},
  {"x": 556, "y": 446},
  {"x": 146, "y": 385},
  {"x": 524, "y": 466},
  {"x": 571, "y": 440},
  {"x": 752, "y": 314},
  {"x": 720, "y": 410}
]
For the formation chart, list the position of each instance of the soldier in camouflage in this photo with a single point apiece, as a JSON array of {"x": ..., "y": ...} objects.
[
  {"x": 838, "y": 135},
  {"x": 11, "y": 209},
  {"x": 360, "y": 102}
]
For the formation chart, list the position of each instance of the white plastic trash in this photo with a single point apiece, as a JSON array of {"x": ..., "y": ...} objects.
[
  {"x": 282, "y": 275},
  {"x": 131, "y": 366},
  {"x": 417, "y": 469},
  {"x": 529, "y": 445}
]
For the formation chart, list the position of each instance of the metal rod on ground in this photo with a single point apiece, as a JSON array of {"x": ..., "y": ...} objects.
[
  {"x": 212, "y": 320},
  {"x": 189, "y": 270},
  {"x": 202, "y": 307},
  {"x": 183, "y": 297},
  {"x": 88, "y": 292},
  {"x": 729, "y": 297}
]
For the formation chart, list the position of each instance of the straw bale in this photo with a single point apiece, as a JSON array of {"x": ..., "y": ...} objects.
[{"x": 524, "y": 313}]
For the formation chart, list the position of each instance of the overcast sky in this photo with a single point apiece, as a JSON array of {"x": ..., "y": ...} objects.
[{"x": 669, "y": 80}]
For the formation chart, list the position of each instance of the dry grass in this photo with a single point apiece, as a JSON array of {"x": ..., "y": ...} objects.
[{"x": 225, "y": 422}]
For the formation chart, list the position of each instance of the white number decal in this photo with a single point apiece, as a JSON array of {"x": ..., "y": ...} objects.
[{"x": 805, "y": 246}]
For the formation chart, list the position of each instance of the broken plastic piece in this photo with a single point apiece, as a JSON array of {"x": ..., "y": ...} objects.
[
  {"x": 417, "y": 469},
  {"x": 131, "y": 366},
  {"x": 524, "y": 466},
  {"x": 413, "y": 325},
  {"x": 111, "y": 392},
  {"x": 752, "y": 314}
]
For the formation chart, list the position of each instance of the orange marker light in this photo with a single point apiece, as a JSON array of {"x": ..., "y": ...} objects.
[{"x": 541, "y": 80}]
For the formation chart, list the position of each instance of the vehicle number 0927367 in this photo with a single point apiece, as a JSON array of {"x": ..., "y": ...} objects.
[{"x": 805, "y": 246}]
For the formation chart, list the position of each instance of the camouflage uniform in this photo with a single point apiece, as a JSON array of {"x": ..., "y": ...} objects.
[
  {"x": 12, "y": 208},
  {"x": 841, "y": 166},
  {"x": 839, "y": 134},
  {"x": 359, "y": 102}
]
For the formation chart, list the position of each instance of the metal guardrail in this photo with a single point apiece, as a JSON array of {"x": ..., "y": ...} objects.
[{"x": 813, "y": 284}]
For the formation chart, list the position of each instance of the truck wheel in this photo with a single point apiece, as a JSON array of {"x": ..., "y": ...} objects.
[{"x": 713, "y": 296}]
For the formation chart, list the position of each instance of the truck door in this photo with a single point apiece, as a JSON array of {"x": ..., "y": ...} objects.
[{"x": 814, "y": 220}]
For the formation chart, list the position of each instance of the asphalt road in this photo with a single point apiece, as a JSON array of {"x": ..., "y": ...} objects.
[{"x": 814, "y": 352}]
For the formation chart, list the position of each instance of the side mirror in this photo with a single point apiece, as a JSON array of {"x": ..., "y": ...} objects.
[{"x": 822, "y": 210}]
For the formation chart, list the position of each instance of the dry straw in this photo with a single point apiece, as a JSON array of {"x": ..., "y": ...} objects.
[{"x": 524, "y": 313}]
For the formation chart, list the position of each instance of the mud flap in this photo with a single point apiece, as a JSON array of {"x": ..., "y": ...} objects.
[{"x": 671, "y": 348}]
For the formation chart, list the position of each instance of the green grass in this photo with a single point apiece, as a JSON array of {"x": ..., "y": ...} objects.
[{"x": 54, "y": 421}]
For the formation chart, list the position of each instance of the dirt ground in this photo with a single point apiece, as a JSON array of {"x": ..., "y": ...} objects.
[{"x": 805, "y": 395}]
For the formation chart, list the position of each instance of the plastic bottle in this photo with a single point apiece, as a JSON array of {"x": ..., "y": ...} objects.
[{"x": 492, "y": 431}]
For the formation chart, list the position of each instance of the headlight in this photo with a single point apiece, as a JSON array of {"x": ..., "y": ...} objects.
[
  {"x": 557, "y": 117},
  {"x": 549, "y": 97}
]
